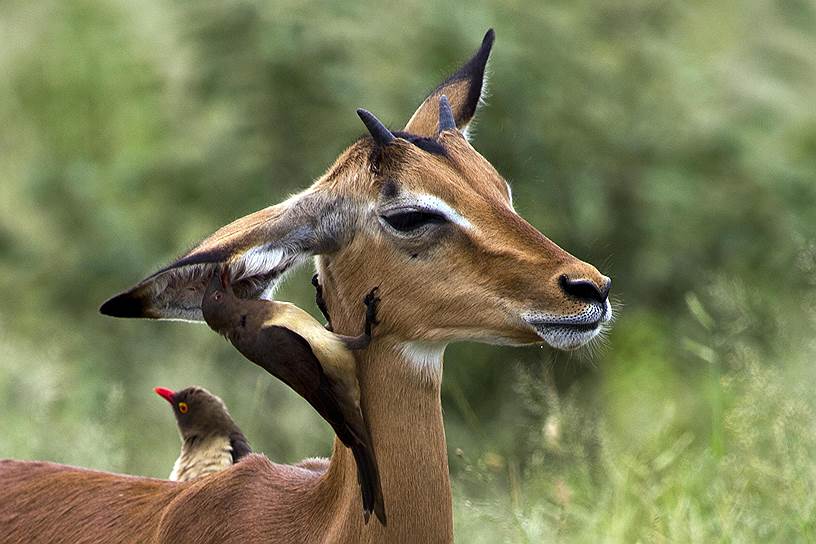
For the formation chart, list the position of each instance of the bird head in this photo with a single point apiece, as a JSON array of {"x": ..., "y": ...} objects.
[
  {"x": 217, "y": 303},
  {"x": 198, "y": 412}
]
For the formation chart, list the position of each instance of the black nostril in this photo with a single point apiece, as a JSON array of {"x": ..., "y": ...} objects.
[{"x": 585, "y": 290}]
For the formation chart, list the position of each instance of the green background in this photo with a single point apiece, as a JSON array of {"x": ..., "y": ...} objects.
[{"x": 672, "y": 144}]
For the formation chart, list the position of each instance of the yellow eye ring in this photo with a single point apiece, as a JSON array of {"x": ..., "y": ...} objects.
[{"x": 183, "y": 408}]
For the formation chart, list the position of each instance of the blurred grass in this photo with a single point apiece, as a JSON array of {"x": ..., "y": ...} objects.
[
  {"x": 653, "y": 456},
  {"x": 671, "y": 144}
]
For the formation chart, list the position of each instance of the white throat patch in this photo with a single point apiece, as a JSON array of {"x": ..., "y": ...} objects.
[{"x": 425, "y": 359}]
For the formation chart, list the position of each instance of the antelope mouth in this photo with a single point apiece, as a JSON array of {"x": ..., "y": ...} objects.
[
  {"x": 571, "y": 332},
  {"x": 577, "y": 327}
]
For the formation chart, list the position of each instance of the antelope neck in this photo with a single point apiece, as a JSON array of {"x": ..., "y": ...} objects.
[{"x": 404, "y": 413}]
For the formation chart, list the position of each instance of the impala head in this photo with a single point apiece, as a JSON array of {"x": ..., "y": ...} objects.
[{"x": 419, "y": 213}]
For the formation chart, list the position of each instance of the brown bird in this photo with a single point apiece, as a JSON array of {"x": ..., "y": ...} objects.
[
  {"x": 210, "y": 439},
  {"x": 318, "y": 364}
]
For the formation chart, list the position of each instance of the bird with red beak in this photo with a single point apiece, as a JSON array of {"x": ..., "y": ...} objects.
[{"x": 210, "y": 440}]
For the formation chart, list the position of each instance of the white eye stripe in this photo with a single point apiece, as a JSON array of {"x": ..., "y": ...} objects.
[{"x": 435, "y": 204}]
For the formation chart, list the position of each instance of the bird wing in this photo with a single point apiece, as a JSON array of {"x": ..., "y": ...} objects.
[
  {"x": 290, "y": 358},
  {"x": 239, "y": 445}
]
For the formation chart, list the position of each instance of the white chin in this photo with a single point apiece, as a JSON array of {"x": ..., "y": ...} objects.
[{"x": 566, "y": 338}]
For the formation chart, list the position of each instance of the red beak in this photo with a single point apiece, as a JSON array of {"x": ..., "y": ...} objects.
[{"x": 166, "y": 393}]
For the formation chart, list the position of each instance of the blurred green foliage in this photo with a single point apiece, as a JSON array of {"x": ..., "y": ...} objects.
[{"x": 671, "y": 144}]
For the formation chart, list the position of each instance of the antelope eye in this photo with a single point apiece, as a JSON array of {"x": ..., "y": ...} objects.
[
  {"x": 411, "y": 220},
  {"x": 183, "y": 408}
]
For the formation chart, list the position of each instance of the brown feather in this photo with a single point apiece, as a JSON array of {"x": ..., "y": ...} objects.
[{"x": 322, "y": 370}]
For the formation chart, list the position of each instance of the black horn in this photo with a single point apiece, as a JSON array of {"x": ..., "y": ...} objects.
[
  {"x": 446, "y": 119},
  {"x": 382, "y": 136}
]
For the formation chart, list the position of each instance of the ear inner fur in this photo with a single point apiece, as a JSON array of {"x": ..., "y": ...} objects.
[{"x": 259, "y": 250}]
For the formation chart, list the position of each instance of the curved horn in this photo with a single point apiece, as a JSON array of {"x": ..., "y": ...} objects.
[
  {"x": 382, "y": 136},
  {"x": 446, "y": 119}
]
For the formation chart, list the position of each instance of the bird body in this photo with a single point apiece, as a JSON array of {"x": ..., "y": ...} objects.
[
  {"x": 334, "y": 356},
  {"x": 210, "y": 440},
  {"x": 199, "y": 458},
  {"x": 318, "y": 364}
]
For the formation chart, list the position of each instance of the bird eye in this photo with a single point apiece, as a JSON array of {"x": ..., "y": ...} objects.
[
  {"x": 217, "y": 297},
  {"x": 408, "y": 221},
  {"x": 183, "y": 408}
]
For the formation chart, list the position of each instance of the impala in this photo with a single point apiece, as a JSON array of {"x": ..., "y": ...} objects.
[{"x": 423, "y": 216}]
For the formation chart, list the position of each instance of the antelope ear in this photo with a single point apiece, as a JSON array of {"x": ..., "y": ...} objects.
[
  {"x": 464, "y": 91},
  {"x": 257, "y": 250}
]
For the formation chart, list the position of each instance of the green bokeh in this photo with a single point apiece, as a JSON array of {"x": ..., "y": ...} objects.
[{"x": 671, "y": 144}]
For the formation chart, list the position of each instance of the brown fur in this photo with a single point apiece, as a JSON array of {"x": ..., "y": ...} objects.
[
  {"x": 255, "y": 501},
  {"x": 58, "y": 504},
  {"x": 455, "y": 284},
  {"x": 484, "y": 278}
]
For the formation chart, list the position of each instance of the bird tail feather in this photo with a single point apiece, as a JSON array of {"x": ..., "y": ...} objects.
[{"x": 368, "y": 477}]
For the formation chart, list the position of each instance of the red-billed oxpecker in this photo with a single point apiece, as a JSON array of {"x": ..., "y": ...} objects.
[
  {"x": 210, "y": 439},
  {"x": 318, "y": 364}
]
